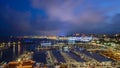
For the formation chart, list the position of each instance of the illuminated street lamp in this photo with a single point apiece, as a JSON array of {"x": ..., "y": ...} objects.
[
  {"x": 14, "y": 43},
  {"x": 18, "y": 42},
  {"x": 9, "y": 43},
  {"x": 3, "y": 43}
]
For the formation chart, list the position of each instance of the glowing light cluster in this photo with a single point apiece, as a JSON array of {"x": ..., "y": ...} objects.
[{"x": 86, "y": 39}]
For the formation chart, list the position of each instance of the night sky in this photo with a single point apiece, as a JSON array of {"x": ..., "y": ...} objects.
[{"x": 59, "y": 17}]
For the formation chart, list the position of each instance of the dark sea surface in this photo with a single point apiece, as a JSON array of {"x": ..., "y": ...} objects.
[{"x": 14, "y": 51}]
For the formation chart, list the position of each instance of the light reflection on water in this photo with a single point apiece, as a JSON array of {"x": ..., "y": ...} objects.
[
  {"x": 11, "y": 53},
  {"x": 19, "y": 49},
  {"x": 14, "y": 51},
  {"x": 1, "y": 53}
]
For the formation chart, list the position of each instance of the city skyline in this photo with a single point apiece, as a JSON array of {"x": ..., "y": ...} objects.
[{"x": 59, "y": 17}]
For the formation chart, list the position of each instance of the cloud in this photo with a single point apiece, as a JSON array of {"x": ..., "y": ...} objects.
[
  {"x": 77, "y": 16},
  {"x": 115, "y": 23},
  {"x": 72, "y": 11},
  {"x": 58, "y": 17}
]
